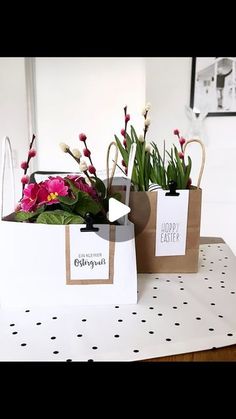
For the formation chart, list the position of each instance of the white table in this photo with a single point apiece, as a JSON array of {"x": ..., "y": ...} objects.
[{"x": 175, "y": 314}]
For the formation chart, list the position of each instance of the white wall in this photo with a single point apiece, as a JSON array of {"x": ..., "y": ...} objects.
[
  {"x": 168, "y": 89},
  {"x": 87, "y": 95},
  {"x": 13, "y": 115}
]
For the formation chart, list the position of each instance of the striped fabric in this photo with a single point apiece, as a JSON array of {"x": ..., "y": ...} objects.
[{"x": 153, "y": 187}]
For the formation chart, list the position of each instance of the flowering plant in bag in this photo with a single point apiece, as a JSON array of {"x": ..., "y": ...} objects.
[
  {"x": 149, "y": 165},
  {"x": 64, "y": 200}
]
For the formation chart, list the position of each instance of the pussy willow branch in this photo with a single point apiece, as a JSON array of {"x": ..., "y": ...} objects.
[
  {"x": 28, "y": 160},
  {"x": 90, "y": 158}
]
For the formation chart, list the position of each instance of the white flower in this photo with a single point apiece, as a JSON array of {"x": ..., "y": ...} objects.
[
  {"x": 83, "y": 166},
  {"x": 146, "y": 108},
  {"x": 87, "y": 181},
  {"x": 76, "y": 153},
  {"x": 64, "y": 147},
  {"x": 148, "y": 148},
  {"x": 147, "y": 122},
  {"x": 141, "y": 138},
  {"x": 144, "y": 111}
]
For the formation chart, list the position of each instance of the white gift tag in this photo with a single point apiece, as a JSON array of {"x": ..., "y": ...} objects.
[
  {"x": 171, "y": 223},
  {"x": 88, "y": 254}
]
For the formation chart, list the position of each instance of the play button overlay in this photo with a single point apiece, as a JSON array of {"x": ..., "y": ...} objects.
[
  {"x": 117, "y": 210},
  {"x": 137, "y": 211}
]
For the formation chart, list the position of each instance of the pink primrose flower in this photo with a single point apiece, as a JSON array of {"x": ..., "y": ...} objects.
[
  {"x": 55, "y": 187},
  {"x": 29, "y": 201},
  {"x": 80, "y": 183}
]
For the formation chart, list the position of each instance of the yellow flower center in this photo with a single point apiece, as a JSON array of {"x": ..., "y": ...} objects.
[{"x": 52, "y": 196}]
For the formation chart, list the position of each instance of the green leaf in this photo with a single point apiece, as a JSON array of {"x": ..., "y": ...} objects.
[
  {"x": 67, "y": 208},
  {"x": 180, "y": 169},
  {"x": 128, "y": 142},
  {"x": 24, "y": 216},
  {"x": 116, "y": 195},
  {"x": 147, "y": 170},
  {"x": 100, "y": 188},
  {"x": 74, "y": 189},
  {"x": 68, "y": 201},
  {"x": 134, "y": 179},
  {"x": 134, "y": 135},
  {"x": 59, "y": 217},
  {"x": 171, "y": 172},
  {"x": 122, "y": 150},
  {"x": 187, "y": 173},
  {"x": 86, "y": 204}
]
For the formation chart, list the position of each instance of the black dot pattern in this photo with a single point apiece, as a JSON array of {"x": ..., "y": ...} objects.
[{"x": 171, "y": 309}]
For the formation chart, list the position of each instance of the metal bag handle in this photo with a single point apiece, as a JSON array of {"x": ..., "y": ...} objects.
[{"x": 6, "y": 149}]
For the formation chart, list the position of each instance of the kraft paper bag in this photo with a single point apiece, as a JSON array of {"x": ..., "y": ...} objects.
[
  {"x": 143, "y": 203},
  {"x": 145, "y": 236}
]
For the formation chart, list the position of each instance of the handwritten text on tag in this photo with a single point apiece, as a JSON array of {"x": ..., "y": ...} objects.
[
  {"x": 89, "y": 254},
  {"x": 171, "y": 223}
]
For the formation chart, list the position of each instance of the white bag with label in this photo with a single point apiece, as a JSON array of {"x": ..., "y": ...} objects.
[{"x": 45, "y": 265}]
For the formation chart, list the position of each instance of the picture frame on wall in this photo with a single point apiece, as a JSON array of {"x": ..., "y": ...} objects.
[{"x": 213, "y": 85}]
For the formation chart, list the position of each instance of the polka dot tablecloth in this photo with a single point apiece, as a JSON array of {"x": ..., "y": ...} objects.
[{"x": 176, "y": 313}]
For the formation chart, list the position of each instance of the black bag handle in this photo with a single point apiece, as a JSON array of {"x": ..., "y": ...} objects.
[{"x": 42, "y": 172}]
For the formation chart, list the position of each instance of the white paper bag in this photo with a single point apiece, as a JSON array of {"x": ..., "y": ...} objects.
[{"x": 34, "y": 264}]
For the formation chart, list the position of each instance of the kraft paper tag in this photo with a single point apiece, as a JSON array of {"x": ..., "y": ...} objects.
[
  {"x": 89, "y": 257},
  {"x": 171, "y": 223}
]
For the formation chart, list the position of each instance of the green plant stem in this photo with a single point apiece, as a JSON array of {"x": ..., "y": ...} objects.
[
  {"x": 119, "y": 167},
  {"x": 72, "y": 155}
]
